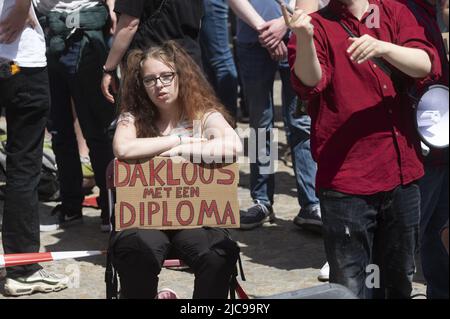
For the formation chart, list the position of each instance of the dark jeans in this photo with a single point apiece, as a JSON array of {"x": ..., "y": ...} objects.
[
  {"x": 434, "y": 209},
  {"x": 257, "y": 71},
  {"x": 26, "y": 99},
  {"x": 138, "y": 256},
  {"x": 216, "y": 53},
  {"x": 361, "y": 232},
  {"x": 95, "y": 115}
]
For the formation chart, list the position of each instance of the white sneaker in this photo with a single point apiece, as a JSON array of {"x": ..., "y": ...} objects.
[
  {"x": 324, "y": 273},
  {"x": 40, "y": 281}
]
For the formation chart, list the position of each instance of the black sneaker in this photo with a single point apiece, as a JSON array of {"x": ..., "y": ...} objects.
[
  {"x": 62, "y": 217},
  {"x": 309, "y": 217},
  {"x": 256, "y": 216}
]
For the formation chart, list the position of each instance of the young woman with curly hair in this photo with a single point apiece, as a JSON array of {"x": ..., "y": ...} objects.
[{"x": 164, "y": 92}]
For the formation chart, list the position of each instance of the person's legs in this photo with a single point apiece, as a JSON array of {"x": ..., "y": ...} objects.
[
  {"x": 138, "y": 256},
  {"x": 95, "y": 115},
  {"x": 212, "y": 255},
  {"x": 349, "y": 224},
  {"x": 217, "y": 53},
  {"x": 64, "y": 141},
  {"x": 298, "y": 128},
  {"x": 397, "y": 242},
  {"x": 434, "y": 216},
  {"x": 26, "y": 99},
  {"x": 258, "y": 74}
]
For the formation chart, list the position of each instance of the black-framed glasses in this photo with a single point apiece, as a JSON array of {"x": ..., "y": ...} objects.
[{"x": 165, "y": 79}]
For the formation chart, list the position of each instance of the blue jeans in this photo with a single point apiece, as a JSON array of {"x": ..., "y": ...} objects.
[
  {"x": 365, "y": 232},
  {"x": 434, "y": 209},
  {"x": 257, "y": 71},
  {"x": 216, "y": 53}
]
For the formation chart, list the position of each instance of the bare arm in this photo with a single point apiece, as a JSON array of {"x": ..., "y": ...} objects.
[
  {"x": 245, "y": 11},
  {"x": 112, "y": 14},
  {"x": 222, "y": 142},
  {"x": 127, "y": 145},
  {"x": 307, "y": 66},
  {"x": 13, "y": 24},
  {"x": 125, "y": 30}
]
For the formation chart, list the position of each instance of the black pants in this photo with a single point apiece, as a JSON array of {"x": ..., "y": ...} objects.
[
  {"x": 371, "y": 241},
  {"x": 138, "y": 256},
  {"x": 95, "y": 115},
  {"x": 26, "y": 99}
]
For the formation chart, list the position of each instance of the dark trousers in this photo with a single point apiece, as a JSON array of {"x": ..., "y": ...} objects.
[
  {"x": 138, "y": 256},
  {"x": 95, "y": 115},
  {"x": 371, "y": 241},
  {"x": 26, "y": 99},
  {"x": 434, "y": 216}
]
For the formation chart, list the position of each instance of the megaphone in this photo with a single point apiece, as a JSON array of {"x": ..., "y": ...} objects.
[{"x": 431, "y": 113}]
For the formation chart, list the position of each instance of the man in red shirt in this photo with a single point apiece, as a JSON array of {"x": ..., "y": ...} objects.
[{"x": 363, "y": 136}]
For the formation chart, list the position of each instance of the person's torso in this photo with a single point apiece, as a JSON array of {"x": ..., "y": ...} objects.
[
  {"x": 363, "y": 135},
  {"x": 28, "y": 50},
  {"x": 164, "y": 20}
]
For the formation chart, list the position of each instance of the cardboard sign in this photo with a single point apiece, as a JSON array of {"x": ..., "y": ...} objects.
[{"x": 163, "y": 193}]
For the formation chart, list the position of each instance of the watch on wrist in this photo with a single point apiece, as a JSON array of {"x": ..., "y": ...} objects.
[{"x": 110, "y": 72}]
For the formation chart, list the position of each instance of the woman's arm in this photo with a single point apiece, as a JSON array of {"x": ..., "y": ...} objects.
[
  {"x": 223, "y": 142},
  {"x": 126, "y": 145}
]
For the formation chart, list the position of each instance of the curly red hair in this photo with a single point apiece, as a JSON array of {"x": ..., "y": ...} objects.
[{"x": 196, "y": 96}]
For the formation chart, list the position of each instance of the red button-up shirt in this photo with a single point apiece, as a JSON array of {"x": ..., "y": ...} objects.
[{"x": 362, "y": 136}]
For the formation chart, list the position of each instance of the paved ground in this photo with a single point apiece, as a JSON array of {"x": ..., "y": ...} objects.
[{"x": 277, "y": 258}]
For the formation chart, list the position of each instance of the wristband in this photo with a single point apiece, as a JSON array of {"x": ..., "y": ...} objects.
[{"x": 110, "y": 72}]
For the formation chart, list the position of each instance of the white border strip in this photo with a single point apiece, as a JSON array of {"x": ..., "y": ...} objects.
[{"x": 2, "y": 261}]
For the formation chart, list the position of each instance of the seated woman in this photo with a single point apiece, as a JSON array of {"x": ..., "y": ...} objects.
[{"x": 164, "y": 93}]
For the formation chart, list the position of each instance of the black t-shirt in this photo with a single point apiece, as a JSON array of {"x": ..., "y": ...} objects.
[{"x": 162, "y": 20}]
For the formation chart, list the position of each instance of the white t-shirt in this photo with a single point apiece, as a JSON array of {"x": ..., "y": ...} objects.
[
  {"x": 45, "y": 6},
  {"x": 29, "y": 48}
]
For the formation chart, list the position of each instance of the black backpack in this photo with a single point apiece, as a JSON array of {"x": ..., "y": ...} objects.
[{"x": 48, "y": 188}]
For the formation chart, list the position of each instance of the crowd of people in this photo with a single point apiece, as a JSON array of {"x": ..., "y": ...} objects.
[{"x": 145, "y": 70}]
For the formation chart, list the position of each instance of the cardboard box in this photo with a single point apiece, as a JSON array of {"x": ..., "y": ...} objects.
[{"x": 166, "y": 193}]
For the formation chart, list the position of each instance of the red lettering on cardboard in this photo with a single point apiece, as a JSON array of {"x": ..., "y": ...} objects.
[
  {"x": 202, "y": 175},
  {"x": 125, "y": 181},
  {"x": 228, "y": 214},
  {"x": 153, "y": 208},
  {"x": 209, "y": 211},
  {"x": 193, "y": 180},
  {"x": 228, "y": 172},
  {"x": 138, "y": 173},
  {"x": 130, "y": 207},
  {"x": 165, "y": 222},
  {"x": 170, "y": 180},
  {"x": 180, "y": 219},
  {"x": 154, "y": 173}
]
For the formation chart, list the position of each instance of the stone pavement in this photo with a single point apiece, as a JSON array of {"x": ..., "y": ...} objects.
[{"x": 277, "y": 258}]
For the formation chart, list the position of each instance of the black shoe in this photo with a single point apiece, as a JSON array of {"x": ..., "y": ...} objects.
[
  {"x": 256, "y": 216},
  {"x": 309, "y": 217},
  {"x": 62, "y": 217}
]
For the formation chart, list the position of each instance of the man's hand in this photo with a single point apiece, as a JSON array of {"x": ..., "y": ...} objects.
[
  {"x": 280, "y": 52},
  {"x": 272, "y": 33},
  {"x": 365, "y": 48},
  {"x": 12, "y": 26},
  {"x": 299, "y": 23},
  {"x": 109, "y": 82}
]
